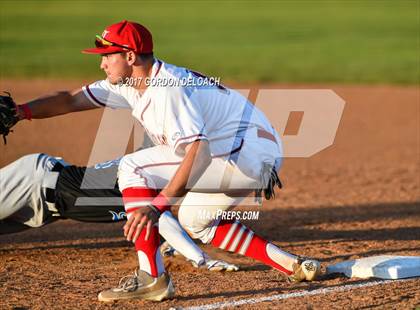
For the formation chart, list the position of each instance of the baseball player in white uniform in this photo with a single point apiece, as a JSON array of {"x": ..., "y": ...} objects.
[
  {"x": 213, "y": 147},
  {"x": 39, "y": 189}
]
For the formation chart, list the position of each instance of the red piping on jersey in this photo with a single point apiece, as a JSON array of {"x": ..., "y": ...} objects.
[
  {"x": 155, "y": 165},
  {"x": 144, "y": 110},
  {"x": 147, "y": 105},
  {"x": 93, "y": 97},
  {"x": 198, "y": 136},
  {"x": 178, "y": 162}
]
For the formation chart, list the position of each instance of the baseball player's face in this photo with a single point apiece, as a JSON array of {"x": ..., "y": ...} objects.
[{"x": 116, "y": 67}]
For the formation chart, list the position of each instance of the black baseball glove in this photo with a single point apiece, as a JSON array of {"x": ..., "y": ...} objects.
[{"x": 8, "y": 115}]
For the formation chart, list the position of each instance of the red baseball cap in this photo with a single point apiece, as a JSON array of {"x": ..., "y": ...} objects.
[{"x": 121, "y": 37}]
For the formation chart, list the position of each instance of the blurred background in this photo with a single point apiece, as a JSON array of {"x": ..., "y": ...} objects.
[{"x": 243, "y": 41}]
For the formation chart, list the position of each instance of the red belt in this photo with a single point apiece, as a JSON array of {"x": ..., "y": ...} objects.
[{"x": 261, "y": 133}]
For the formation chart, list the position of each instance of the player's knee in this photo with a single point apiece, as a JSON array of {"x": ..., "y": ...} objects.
[
  {"x": 31, "y": 158},
  {"x": 204, "y": 234},
  {"x": 125, "y": 172},
  {"x": 194, "y": 225},
  {"x": 38, "y": 161},
  {"x": 124, "y": 164},
  {"x": 23, "y": 166},
  {"x": 130, "y": 174},
  {"x": 185, "y": 219}
]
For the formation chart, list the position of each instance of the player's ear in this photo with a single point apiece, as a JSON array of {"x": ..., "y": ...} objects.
[{"x": 131, "y": 57}]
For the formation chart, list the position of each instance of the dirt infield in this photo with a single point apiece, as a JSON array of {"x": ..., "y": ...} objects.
[{"x": 360, "y": 197}]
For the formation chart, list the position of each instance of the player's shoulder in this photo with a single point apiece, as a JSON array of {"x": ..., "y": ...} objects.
[
  {"x": 168, "y": 70},
  {"x": 169, "y": 81}
]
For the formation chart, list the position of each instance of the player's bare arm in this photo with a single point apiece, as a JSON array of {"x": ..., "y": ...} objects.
[
  {"x": 195, "y": 162},
  {"x": 48, "y": 106},
  {"x": 57, "y": 104}
]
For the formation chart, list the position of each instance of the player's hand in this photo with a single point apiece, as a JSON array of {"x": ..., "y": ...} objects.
[{"x": 139, "y": 219}]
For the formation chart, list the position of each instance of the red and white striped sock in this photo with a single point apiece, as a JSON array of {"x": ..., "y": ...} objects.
[
  {"x": 148, "y": 253},
  {"x": 235, "y": 237}
]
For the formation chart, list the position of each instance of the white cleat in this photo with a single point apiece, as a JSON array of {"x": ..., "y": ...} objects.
[
  {"x": 215, "y": 265},
  {"x": 166, "y": 250},
  {"x": 220, "y": 265}
]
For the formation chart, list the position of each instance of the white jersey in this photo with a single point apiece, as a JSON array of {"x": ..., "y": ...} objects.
[{"x": 178, "y": 108}]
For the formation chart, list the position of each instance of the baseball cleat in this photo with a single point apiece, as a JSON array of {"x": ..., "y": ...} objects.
[
  {"x": 166, "y": 250},
  {"x": 305, "y": 270},
  {"x": 211, "y": 264},
  {"x": 216, "y": 265},
  {"x": 140, "y": 285}
]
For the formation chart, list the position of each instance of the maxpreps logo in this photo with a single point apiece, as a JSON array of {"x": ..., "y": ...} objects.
[{"x": 118, "y": 216}]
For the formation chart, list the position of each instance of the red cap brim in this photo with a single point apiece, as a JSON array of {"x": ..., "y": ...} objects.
[{"x": 103, "y": 50}]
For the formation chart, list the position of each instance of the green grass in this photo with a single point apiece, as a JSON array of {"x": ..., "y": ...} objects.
[{"x": 278, "y": 41}]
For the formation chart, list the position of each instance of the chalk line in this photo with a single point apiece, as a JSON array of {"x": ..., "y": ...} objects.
[{"x": 319, "y": 291}]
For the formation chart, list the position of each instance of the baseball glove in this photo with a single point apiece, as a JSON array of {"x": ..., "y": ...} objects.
[
  {"x": 8, "y": 115},
  {"x": 269, "y": 180}
]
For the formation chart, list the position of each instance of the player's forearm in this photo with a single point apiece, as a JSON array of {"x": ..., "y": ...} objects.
[
  {"x": 52, "y": 105},
  {"x": 195, "y": 162}
]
